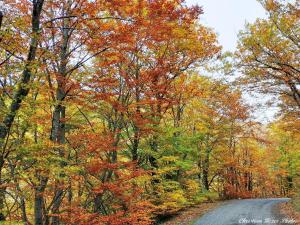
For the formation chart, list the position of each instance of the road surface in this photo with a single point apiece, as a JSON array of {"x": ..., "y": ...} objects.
[{"x": 248, "y": 211}]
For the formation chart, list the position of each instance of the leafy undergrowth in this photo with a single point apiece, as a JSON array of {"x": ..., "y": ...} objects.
[
  {"x": 190, "y": 215},
  {"x": 296, "y": 203},
  {"x": 291, "y": 210}
]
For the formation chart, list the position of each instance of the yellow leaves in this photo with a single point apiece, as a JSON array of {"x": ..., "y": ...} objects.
[
  {"x": 180, "y": 32},
  {"x": 271, "y": 5},
  {"x": 192, "y": 188},
  {"x": 171, "y": 198},
  {"x": 168, "y": 168},
  {"x": 267, "y": 52},
  {"x": 168, "y": 159}
]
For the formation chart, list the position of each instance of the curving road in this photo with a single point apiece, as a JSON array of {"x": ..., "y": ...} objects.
[{"x": 247, "y": 212}]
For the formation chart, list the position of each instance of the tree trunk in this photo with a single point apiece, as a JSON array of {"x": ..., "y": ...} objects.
[
  {"x": 205, "y": 170},
  {"x": 154, "y": 148},
  {"x": 135, "y": 145},
  {"x": 39, "y": 216},
  {"x": 23, "y": 209},
  {"x": 58, "y": 120},
  {"x": 1, "y": 18},
  {"x": 22, "y": 86},
  {"x": 20, "y": 194},
  {"x": 2, "y": 192},
  {"x": 2, "y": 197}
]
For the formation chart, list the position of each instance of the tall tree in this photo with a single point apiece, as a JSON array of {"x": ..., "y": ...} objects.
[
  {"x": 268, "y": 53},
  {"x": 22, "y": 87}
]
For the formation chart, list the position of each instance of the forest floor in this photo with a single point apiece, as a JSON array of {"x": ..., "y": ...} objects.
[
  {"x": 190, "y": 215},
  {"x": 289, "y": 210}
]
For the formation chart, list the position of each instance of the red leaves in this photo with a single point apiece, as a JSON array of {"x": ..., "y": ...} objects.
[
  {"x": 97, "y": 166},
  {"x": 138, "y": 216},
  {"x": 107, "y": 69}
]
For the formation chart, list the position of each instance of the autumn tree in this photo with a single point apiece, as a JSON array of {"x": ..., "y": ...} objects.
[
  {"x": 268, "y": 53},
  {"x": 23, "y": 80},
  {"x": 285, "y": 157}
]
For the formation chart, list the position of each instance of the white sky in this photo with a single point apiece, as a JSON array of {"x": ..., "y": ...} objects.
[{"x": 227, "y": 18}]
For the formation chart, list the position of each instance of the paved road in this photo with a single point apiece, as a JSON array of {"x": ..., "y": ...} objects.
[{"x": 248, "y": 211}]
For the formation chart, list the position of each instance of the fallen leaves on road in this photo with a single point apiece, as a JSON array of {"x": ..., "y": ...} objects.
[{"x": 287, "y": 209}]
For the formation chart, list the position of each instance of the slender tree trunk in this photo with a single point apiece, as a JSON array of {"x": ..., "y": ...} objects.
[
  {"x": 99, "y": 206},
  {"x": 58, "y": 120},
  {"x": 1, "y": 18},
  {"x": 153, "y": 160},
  {"x": 2, "y": 197},
  {"x": 136, "y": 129},
  {"x": 250, "y": 182},
  {"x": 58, "y": 136},
  {"x": 22, "y": 86},
  {"x": 136, "y": 141},
  {"x": 20, "y": 194},
  {"x": 23, "y": 209},
  {"x": 205, "y": 170},
  {"x": 2, "y": 192},
  {"x": 39, "y": 206},
  {"x": 154, "y": 148},
  {"x": 289, "y": 183}
]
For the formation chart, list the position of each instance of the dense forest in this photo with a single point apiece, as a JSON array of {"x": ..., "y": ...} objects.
[{"x": 109, "y": 114}]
